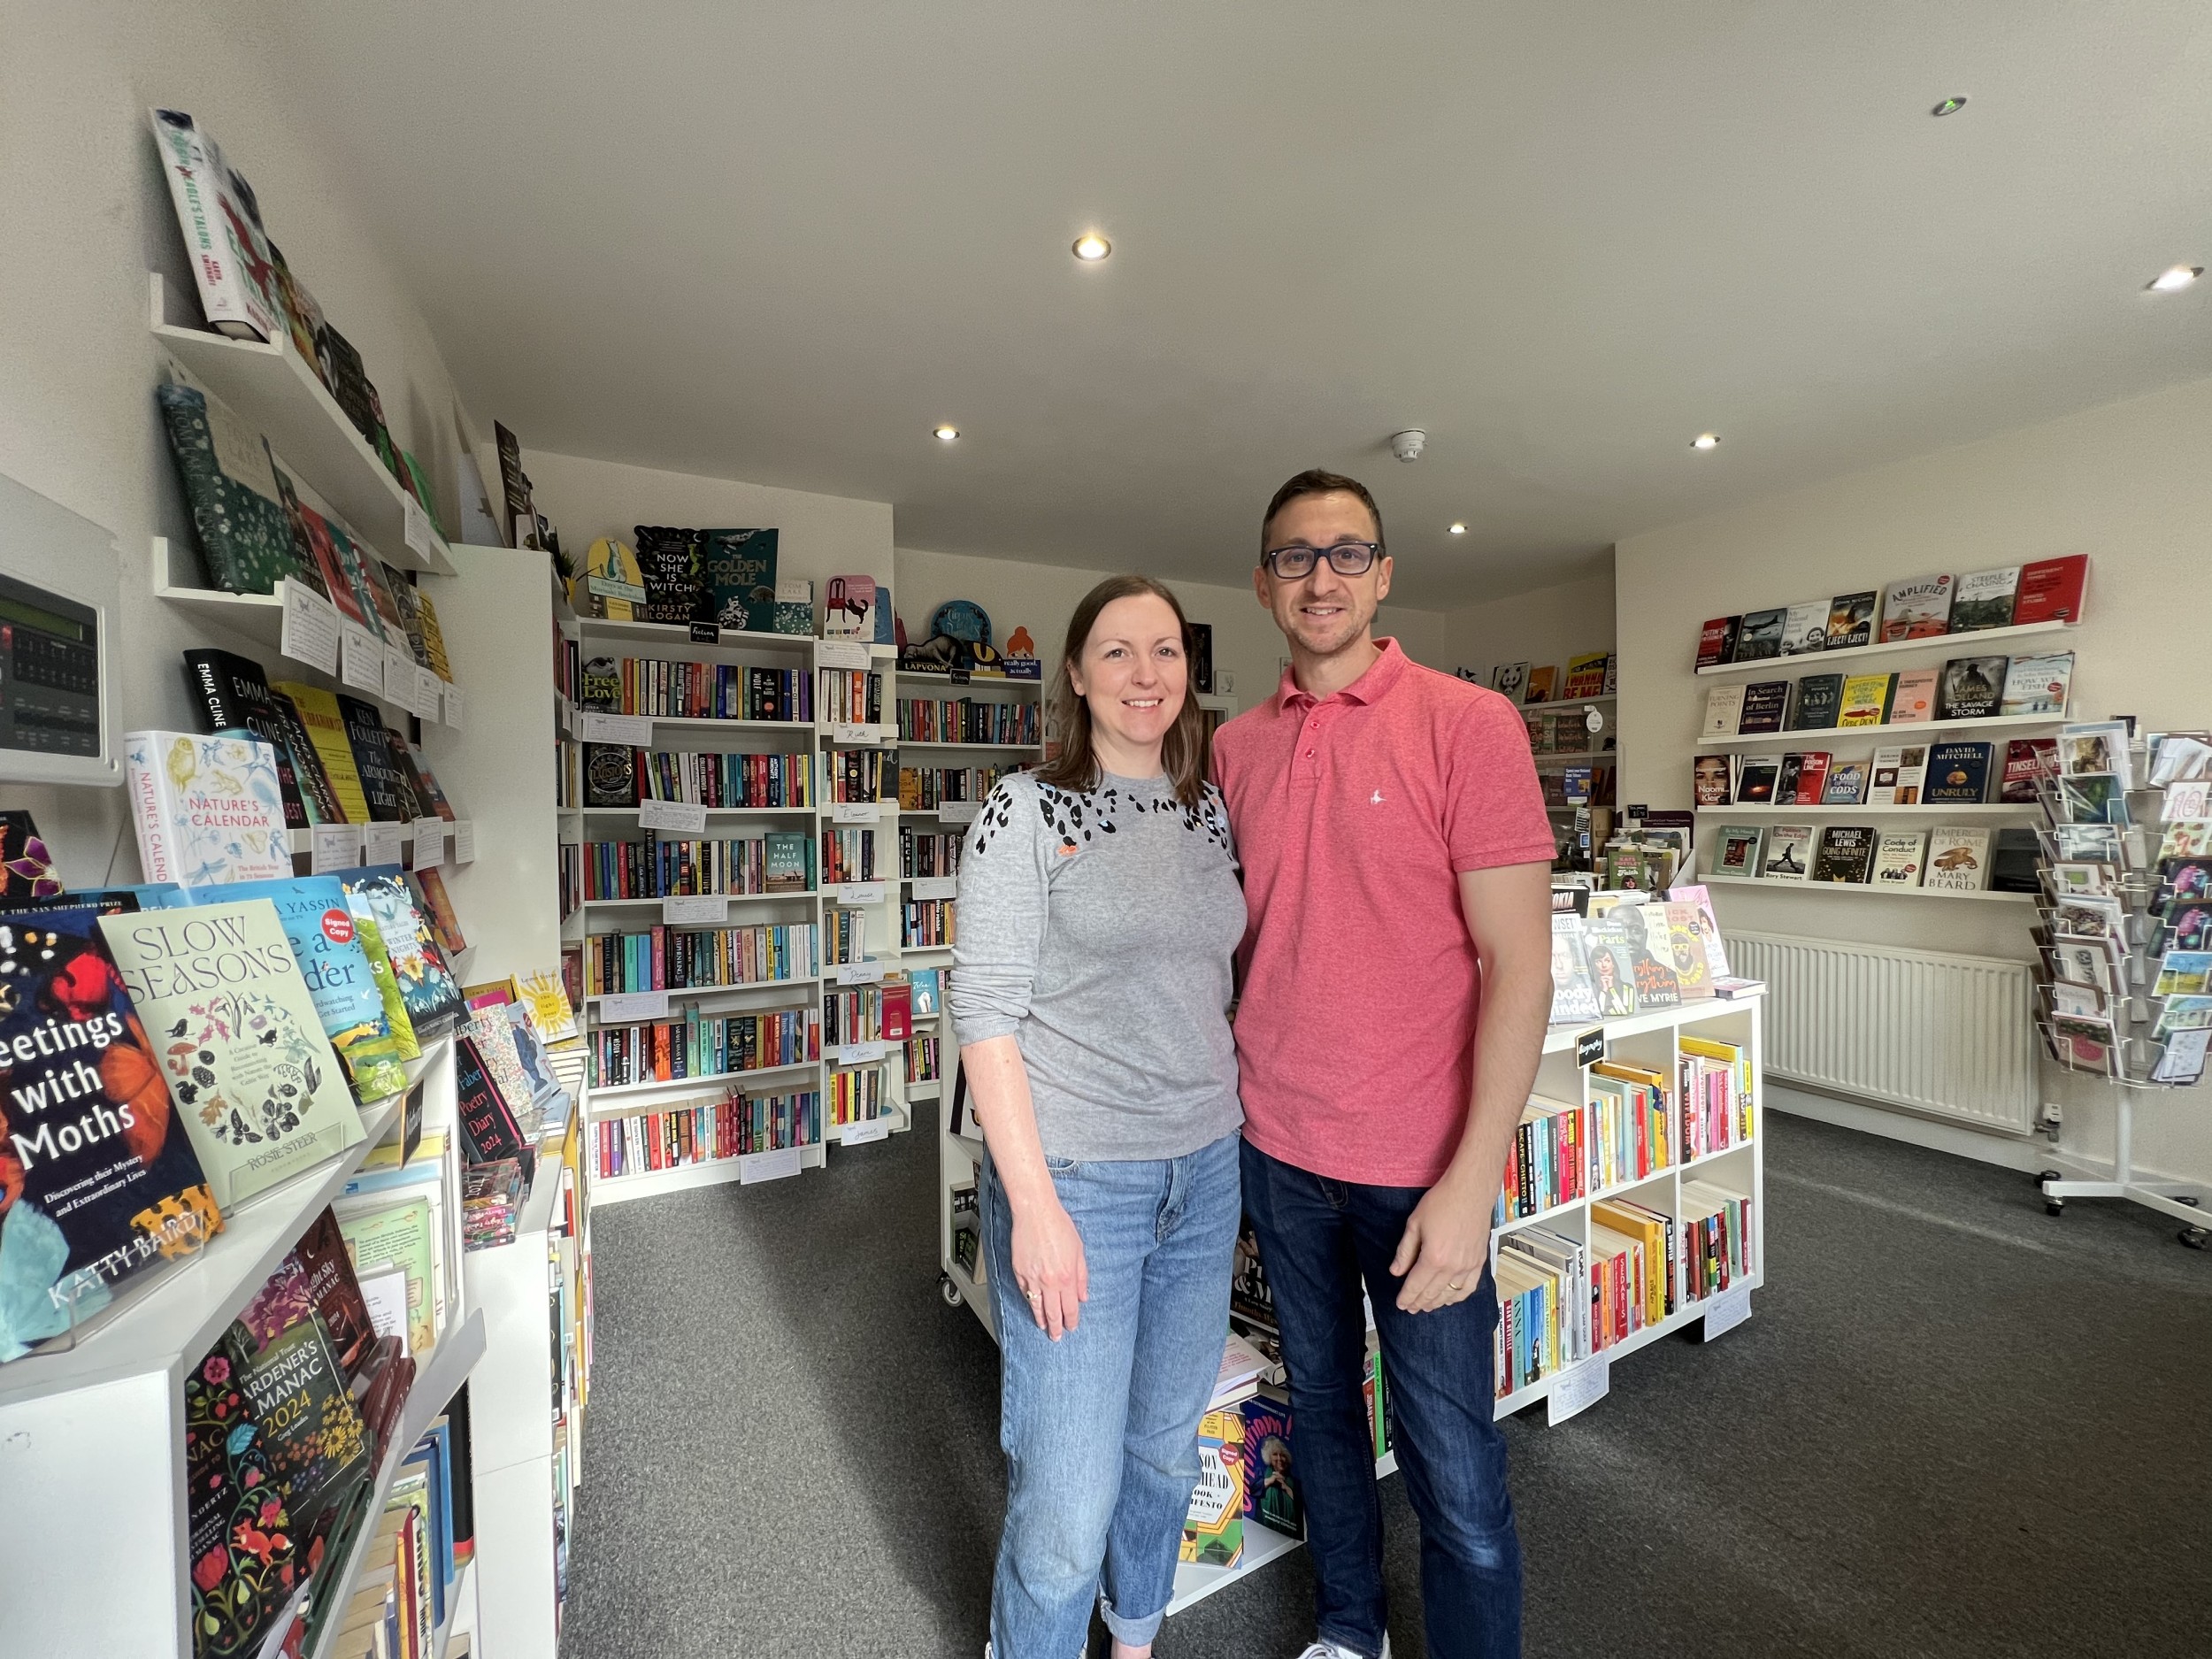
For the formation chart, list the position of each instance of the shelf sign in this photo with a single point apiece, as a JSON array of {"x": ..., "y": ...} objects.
[
  {"x": 636, "y": 730},
  {"x": 361, "y": 659},
  {"x": 767, "y": 1167},
  {"x": 706, "y": 633},
  {"x": 427, "y": 686},
  {"x": 840, "y": 653},
  {"x": 309, "y": 630},
  {"x": 712, "y": 908},
  {"x": 683, "y": 817},
  {"x": 868, "y": 973},
  {"x": 856, "y": 891},
  {"x": 416, "y": 526},
  {"x": 1726, "y": 1310},
  {"x": 456, "y": 708},
  {"x": 429, "y": 843},
  {"x": 335, "y": 847},
  {"x": 856, "y": 811},
  {"x": 399, "y": 676},
  {"x": 857, "y": 1053},
  {"x": 630, "y": 1005},
  {"x": 380, "y": 843},
  {"x": 860, "y": 1133},
  {"x": 1580, "y": 1386},
  {"x": 933, "y": 888},
  {"x": 1590, "y": 1047},
  {"x": 464, "y": 841},
  {"x": 845, "y": 732},
  {"x": 960, "y": 811}
]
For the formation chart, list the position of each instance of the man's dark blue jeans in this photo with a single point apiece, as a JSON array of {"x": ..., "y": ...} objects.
[{"x": 1319, "y": 1240}]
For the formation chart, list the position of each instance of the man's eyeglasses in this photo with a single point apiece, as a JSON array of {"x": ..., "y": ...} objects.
[{"x": 1346, "y": 559}]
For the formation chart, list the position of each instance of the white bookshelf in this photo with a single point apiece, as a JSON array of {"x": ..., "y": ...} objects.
[
  {"x": 1861, "y": 889},
  {"x": 1976, "y": 643},
  {"x": 1985, "y": 808},
  {"x": 1911, "y": 731}
]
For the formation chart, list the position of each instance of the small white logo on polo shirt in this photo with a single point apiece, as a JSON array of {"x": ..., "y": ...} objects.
[{"x": 1375, "y": 799}]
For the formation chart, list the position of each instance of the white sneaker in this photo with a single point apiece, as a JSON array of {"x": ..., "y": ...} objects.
[{"x": 1328, "y": 1650}]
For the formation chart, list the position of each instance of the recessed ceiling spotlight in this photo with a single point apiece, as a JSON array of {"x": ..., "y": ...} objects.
[
  {"x": 2174, "y": 281},
  {"x": 1459, "y": 529},
  {"x": 1949, "y": 106},
  {"x": 1091, "y": 247},
  {"x": 948, "y": 433},
  {"x": 1706, "y": 440}
]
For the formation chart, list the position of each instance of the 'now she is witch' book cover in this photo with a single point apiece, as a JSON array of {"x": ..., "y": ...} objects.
[{"x": 96, "y": 1182}]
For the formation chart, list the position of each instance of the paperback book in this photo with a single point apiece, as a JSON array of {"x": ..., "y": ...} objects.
[
  {"x": 1717, "y": 641},
  {"x": 1984, "y": 599},
  {"x": 207, "y": 810},
  {"x": 230, "y": 484},
  {"x": 1865, "y": 700},
  {"x": 1898, "y": 775},
  {"x": 1900, "y": 857},
  {"x": 1918, "y": 608},
  {"x": 1851, "y": 620},
  {"x": 2037, "y": 685},
  {"x": 1913, "y": 699},
  {"x": 1763, "y": 706},
  {"x": 2028, "y": 762},
  {"x": 1737, "y": 852},
  {"x": 1709, "y": 779},
  {"x": 2052, "y": 590},
  {"x": 1757, "y": 781},
  {"x": 1760, "y": 636},
  {"x": 737, "y": 574},
  {"x": 1972, "y": 687},
  {"x": 1788, "y": 853},
  {"x": 1819, "y": 703},
  {"x": 1847, "y": 783},
  {"x": 1723, "y": 711},
  {"x": 1958, "y": 860},
  {"x": 1846, "y": 854},
  {"x": 668, "y": 564},
  {"x": 1805, "y": 627},
  {"x": 427, "y": 986},
  {"x": 325, "y": 725}
]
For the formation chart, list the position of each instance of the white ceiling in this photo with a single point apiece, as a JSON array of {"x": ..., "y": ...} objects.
[{"x": 782, "y": 241}]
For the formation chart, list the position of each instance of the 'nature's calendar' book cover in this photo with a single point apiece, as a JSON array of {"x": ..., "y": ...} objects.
[{"x": 207, "y": 809}]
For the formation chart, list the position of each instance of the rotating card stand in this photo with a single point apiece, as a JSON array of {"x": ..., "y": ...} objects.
[{"x": 2133, "y": 1062}]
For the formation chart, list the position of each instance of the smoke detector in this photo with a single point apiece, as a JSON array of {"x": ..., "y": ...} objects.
[{"x": 1407, "y": 445}]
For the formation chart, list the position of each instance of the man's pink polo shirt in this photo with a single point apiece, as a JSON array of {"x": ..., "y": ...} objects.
[{"x": 1354, "y": 817}]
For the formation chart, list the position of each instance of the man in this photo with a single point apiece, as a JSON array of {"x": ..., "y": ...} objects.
[{"x": 1397, "y": 980}]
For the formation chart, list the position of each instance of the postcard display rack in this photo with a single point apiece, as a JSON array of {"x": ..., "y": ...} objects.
[
  {"x": 1647, "y": 1040},
  {"x": 2123, "y": 1000}
]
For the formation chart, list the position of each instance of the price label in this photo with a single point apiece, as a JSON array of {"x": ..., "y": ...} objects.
[
  {"x": 840, "y": 653},
  {"x": 567, "y": 713},
  {"x": 857, "y": 1053},
  {"x": 711, "y": 909},
  {"x": 636, "y": 730},
  {"x": 415, "y": 526},
  {"x": 335, "y": 847},
  {"x": 380, "y": 843},
  {"x": 309, "y": 630},
  {"x": 868, "y": 973},
  {"x": 427, "y": 686},
  {"x": 856, "y": 811},
  {"x": 429, "y": 843},
  {"x": 628, "y": 1005},
  {"x": 767, "y": 1167},
  {"x": 845, "y": 732},
  {"x": 960, "y": 811},
  {"x": 1727, "y": 1310},
  {"x": 933, "y": 888},
  {"x": 1580, "y": 1387},
  {"x": 464, "y": 841},
  {"x": 681, "y": 816},
  {"x": 361, "y": 659},
  {"x": 860, "y": 1134},
  {"x": 706, "y": 633},
  {"x": 399, "y": 677},
  {"x": 456, "y": 705},
  {"x": 1590, "y": 1047},
  {"x": 856, "y": 891}
]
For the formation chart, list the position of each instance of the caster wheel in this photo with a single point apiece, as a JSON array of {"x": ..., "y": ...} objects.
[
  {"x": 2054, "y": 1206},
  {"x": 2049, "y": 1175},
  {"x": 2193, "y": 1237},
  {"x": 950, "y": 1291}
]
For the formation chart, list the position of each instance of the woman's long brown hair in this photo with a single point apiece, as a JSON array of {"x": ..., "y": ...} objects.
[{"x": 1183, "y": 753}]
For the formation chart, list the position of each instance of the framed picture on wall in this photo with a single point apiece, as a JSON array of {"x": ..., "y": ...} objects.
[{"x": 1201, "y": 657}]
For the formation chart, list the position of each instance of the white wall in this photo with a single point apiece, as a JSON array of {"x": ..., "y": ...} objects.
[
  {"x": 78, "y": 366},
  {"x": 1547, "y": 625},
  {"x": 2126, "y": 483}
]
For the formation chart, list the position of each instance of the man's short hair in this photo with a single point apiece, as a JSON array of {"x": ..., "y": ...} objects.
[{"x": 1315, "y": 482}]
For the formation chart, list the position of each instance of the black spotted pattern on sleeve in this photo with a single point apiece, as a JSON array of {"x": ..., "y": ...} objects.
[{"x": 1073, "y": 817}]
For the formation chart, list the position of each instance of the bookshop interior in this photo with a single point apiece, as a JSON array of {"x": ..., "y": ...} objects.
[{"x": 511, "y": 621}]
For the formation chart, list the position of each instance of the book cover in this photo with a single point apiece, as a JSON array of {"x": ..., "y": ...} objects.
[
  {"x": 433, "y": 637},
  {"x": 1812, "y": 776},
  {"x": 1586, "y": 675},
  {"x": 2028, "y": 761},
  {"x": 257, "y": 1085},
  {"x": 1984, "y": 599},
  {"x": 1847, "y": 852},
  {"x": 1213, "y": 1531},
  {"x": 1865, "y": 700},
  {"x": 1760, "y": 636},
  {"x": 1805, "y": 627},
  {"x": 545, "y": 999},
  {"x": 387, "y": 1233},
  {"x": 1851, "y": 620},
  {"x": 387, "y": 982},
  {"x": 310, "y": 1429},
  {"x": 425, "y": 780},
  {"x": 668, "y": 566},
  {"x": 1737, "y": 852},
  {"x": 1901, "y": 856},
  {"x": 315, "y": 549},
  {"x": 1271, "y": 1495},
  {"x": 1573, "y": 991},
  {"x": 1651, "y": 955},
  {"x": 2051, "y": 590},
  {"x": 316, "y": 1274},
  {"x": 232, "y": 697},
  {"x": 1716, "y": 645},
  {"x": 239, "y": 1539},
  {"x": 224, "y": 238},
  {"x": 97, "y": 1183},
  {"x": 427, "y": 986},
  {"x": 1918, "y": 608},
  {"x": 1958, "y": 860},
  {"x": 610, "y": 775},
  {"x": 26, "y": 868},
  {"x": 378, "y": 577},
  {"x": 489, "y": 1125},
  {"x": 1509, "y": 680},
  {"x": 737, "y": 575},
  {"x": 1847, "y": 783},
  {"x": 445, "y": 923},
  {"x": 1789, "y": 850},
  {"x": 387, "y": 796},
  {"x": 1972, "y": 687},
  {"x": 2037, "y": 685},
  {"x": 1763, "y": 706},
  {"x": 1785, "y": 778},
  {"x": 1819, "y": 703},
  {"x": 514, "y": 484},
  {"x": 1913, "y": 699},
  {"x": 1757, "y": 780},
  {"x": 1958, "y": 773},
  {"x": 488, "y": 1028},
  {"x": 229, "y": 482},
  {"x": 326, "y": 724},
  {"x": 408, "y": 598},
  {"x": 1709, "y": 779},
  {"x": 348, "y": 378},
  {"x": 1723, "y": 711},
  {"x": 1686, "y": 934},
  {"x": 207, "y": 810},
  {"x": 848, "y": 609},
  {"x": 789, "y": 865},
  {"x": 794, "y": 613}
]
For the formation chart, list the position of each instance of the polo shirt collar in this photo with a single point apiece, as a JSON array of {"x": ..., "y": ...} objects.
[{"x": 1384, "y": 673}]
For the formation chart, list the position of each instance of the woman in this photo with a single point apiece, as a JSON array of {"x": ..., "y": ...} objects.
[{"x": 1099, "y": 908}]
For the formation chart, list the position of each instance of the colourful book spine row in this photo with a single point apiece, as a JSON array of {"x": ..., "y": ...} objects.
[
  {"x": 654, "y": 869},
  {"x": 927, "y": 855},
  {"x": 663, "y": 959},
  {"x": 726, "y": 780},
  {"x": 863, "y": 774},
  {"x": 852, "y": 696},
  {"x": 849, "y": 854},
  {"x": 714, "y": 691},
  {"x": 924, "y": 923},
  {"x": 852, "y": 1015},
  {"x": 921, "y": 787},
  {"x": 711, "y": 1131},
  {"x": 856, "y": 1097},
  {"x": 966, "y": 720},
  {"x": 703, "y": 1046}
]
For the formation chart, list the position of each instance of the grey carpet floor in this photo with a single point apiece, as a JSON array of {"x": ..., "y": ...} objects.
[{"x": 1952, "y": 1427}]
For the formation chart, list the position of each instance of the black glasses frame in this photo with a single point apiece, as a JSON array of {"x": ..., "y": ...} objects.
[{"x": 1368, "y": 552}]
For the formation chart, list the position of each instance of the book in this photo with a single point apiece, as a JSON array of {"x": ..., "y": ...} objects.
[
  {"x": 1573, "y": 991},
  {"x": 1651, "y": 955},
  {"x": 1917, "y": 607},
  {"x": 1760, "y": 636},
  {"x": 1899, "y": 776},
  {"x": 427, "y": 986},
  {"x": 1509, "y": 680},
  {"x": 1586, "y": 675},
  {"x": 1984, "y": 599},
  {"x": 1271, "y": 1495},
  {"x": 1686, "y": 934},
  {"x": 1972, "y": 687},
  {"x": 1865, "y": 700},
  {"x": 224, "y": 238},
  {"x": 257, "y": 1085},
  {"x": 316, "y": 1275},
  {"x": 387, "y": 1234},
  {"x": 207, "y": 810},
  {"x": 1789, "y": 852},
  {"x": 374, "y": 763},
  {"x": 1958, "y": 773},
  {"x": 232, "y": 697},
  {"x": 1757, "y": 780},
  {"x": 1899, "y": 858},
  {"x": 1723, "y": 711},
  {"x": 1812, "y": 777},
  {"x": 794, "y": 614},
  {"x": 1851, "y": 620},
  {"x": 1716, "y": 645},
  {"x": 26, "y": 868},
  {"x": 417, "y": 766},
  {"x": 1958, "y": 860},
  {"x": 2051, "y": 590},
  {"x": 1785, "y": 778},
  {"x": 238, "y": 517},
  {"x": 326, "y": 724},
  {"x": 437, "y": 904},
  {"x": 1847, "y": 783},
  {"x": 737, "y": 577},
  {"x": 1737, "y": 851},
  {"x": 310, "y": 1428},
  {"x": 609, "y": 773},
  {"x": 433, "y": 637},
  {"x": 245, "y": 1560},
  {"x": 613, "y": 586},
  {"x": 1913, "y": 699},
  {"x": 2028, "y": 761},
  {"x": 1213, "y": 1531},
  {"x": 348, "y": 378},
  {"x": 1805, "y": 627},
  {"x": 788, "y": 861},
  {"x": 1708, "y": 925},
  {"x": 1819, "y": 703},
  {"x": 1763, "y": 706},
  {"x": 667, "y": 561},
  {"x": 490, "y": 1129},
  {"x": 2037, "y": 685},
  {"x": 545, "y": 999},
  {"x": 1710, "y": 777},
  {"x": 1847, "y": 852},
  {"x": 848, "y": 609}
]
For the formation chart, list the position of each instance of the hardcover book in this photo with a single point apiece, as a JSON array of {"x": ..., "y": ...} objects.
[
  {"x": 316, "y": 1275},
  {"x": 1865, "y": 700},
  {"x": 2037, "y": 685},
  {"x": 348, "y": 378},
  {"x": 231, "y": 266},
  {"x": 1789, "y": 851},
  {"x": 848, "y": 609},
  {"x": 233, "y": 697},
  {"x": 445, "y": 923},
  {"x": 1847, "y": 852},
  {"x": 1847, "y": 784},
  {"x": 426, "y": 782},
  {"x": 1958, "y": 773},
  {"x": 373, "y": 761},
  {"x": 1918, "y": 608},
  {"x": 238, "y": 1536},
  {"x": 316, "y": 553},
  {"x": 257, "y": 1084},
  {"x": 1763, "y": 706},
  {"x": 27, "y": 869},
  {"x": 1509, "y": 680},
  {"x": 426, "y": 984},
  {"x": 668, "y": 564},
  {"x": 737, "y": 574},
  {"x": 385, "y": 1233},
  {"x": 2051, "y": 590},
  {"x": 100, "y": 1184},
  {"x": 1985, "y": 600},
  {"x": 613, "y": 585},
  {"x": 1737, "y": 852},
  {"x": 1723, "y": 711},
  {"x": 1758, "y": 781},
  {"x": 2028, "y": 761},
  {"x": 207, "y": 810},
  {"x": 1851, "y": 620},
  {"x": 1812, "y": 777},
  {"x": 1760, "y": 636},
  {"x": 326, "y": 724},
  {"x": 1913, "y": 699},
  {"x": 1213, "y": 1530},
  {"x": 1586, "y": 675},
  {"x": 1785, "y": 780},
  {"x": 1805, "y": 627},
  {"x": 1819, "y": 702},
  {"x": 1651, "y": 955},
  {"x": 1612, "y": 956},
  {"x": 310, "y": 1429},
  {"x": 788, "y": 865},
  {"x": 610, "y": 775},
  {"x": 1574, "y": 994},
  {"x": 1899, "y": 858},
  {"x": 230, "y": 484},
  {"x": 1709, "y": 779},
  {"x": 1958, "y": 860},
  {"x": 1972, "y": 687}
]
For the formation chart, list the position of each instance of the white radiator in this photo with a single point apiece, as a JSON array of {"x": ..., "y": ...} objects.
[{"x": 1949, "y": 1037}]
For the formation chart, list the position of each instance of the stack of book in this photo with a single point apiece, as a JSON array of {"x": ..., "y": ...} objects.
[
  {"x": 491, "y": 1197},
  {"x": 922, "y": 788}
]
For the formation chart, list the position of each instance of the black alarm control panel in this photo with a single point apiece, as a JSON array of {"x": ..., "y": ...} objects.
[{"x": 49, "y": 671}]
